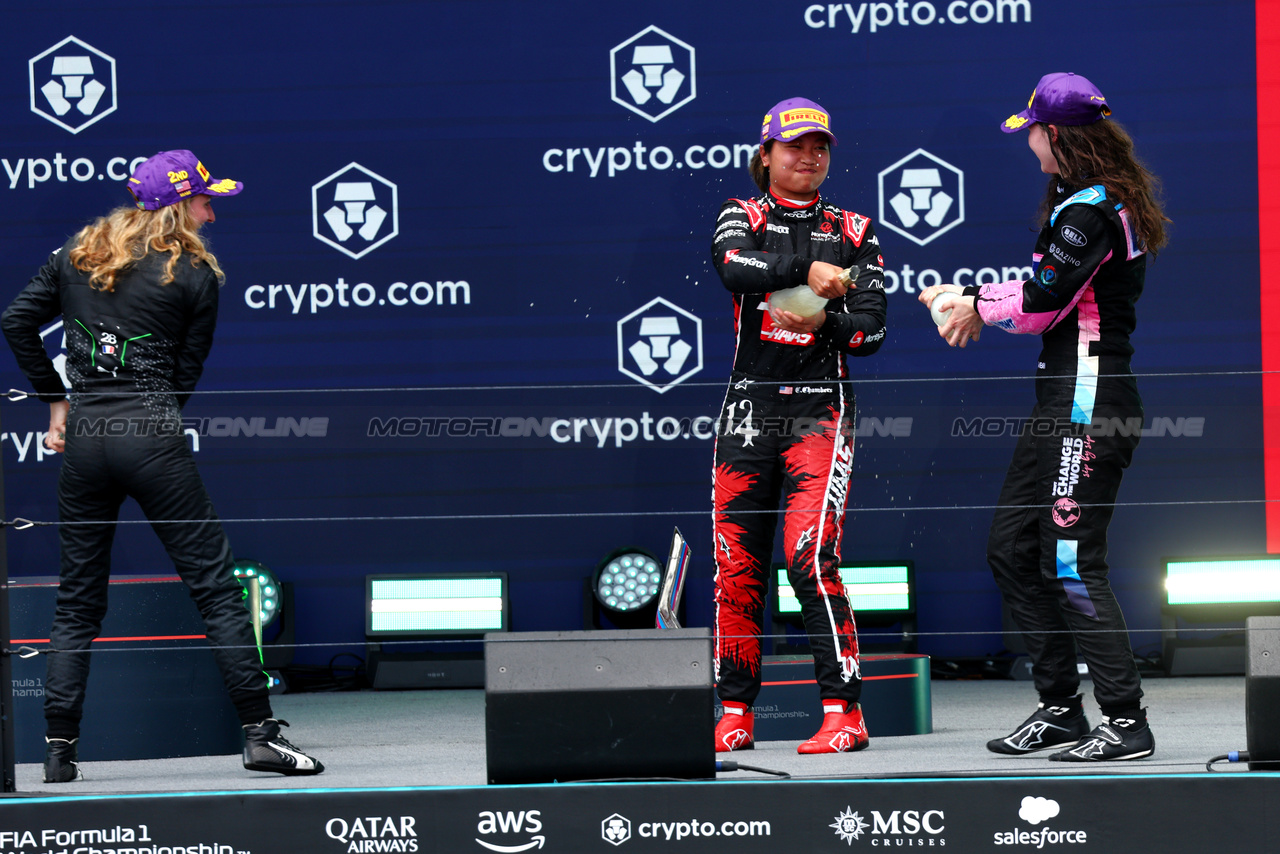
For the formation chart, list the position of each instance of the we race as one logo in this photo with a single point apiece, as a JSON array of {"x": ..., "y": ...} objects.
[
  {"x": 355, "y": 210},
  {"x": 656, "y": 343},
  {"x": 652, "y": 73},
  {"x": 924, "y": 195},
  {"x": 73, "y": 84}
]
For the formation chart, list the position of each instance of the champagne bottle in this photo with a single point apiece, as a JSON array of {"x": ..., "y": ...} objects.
[{"x": 803, "y": 301}]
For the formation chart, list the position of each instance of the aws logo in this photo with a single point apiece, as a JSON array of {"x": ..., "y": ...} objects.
[{"x": 509, "y": 823}]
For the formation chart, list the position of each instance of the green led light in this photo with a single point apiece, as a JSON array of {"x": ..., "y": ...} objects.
[
  {"x": 869, "y": 588},
  {"x": 268, "y": 587},
  {"x": 1220, "y": 582},
  {"x": 435, "y": 605}
]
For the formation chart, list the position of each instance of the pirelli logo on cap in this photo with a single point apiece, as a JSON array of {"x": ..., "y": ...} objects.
[
  {"x": 806, "y": 115},
  {"x": 790, "y": 132},
  {"x": 226, "y": 185}
]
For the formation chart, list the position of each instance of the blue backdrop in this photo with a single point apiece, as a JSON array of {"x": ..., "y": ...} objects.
[{"x": 456, "y": 216}]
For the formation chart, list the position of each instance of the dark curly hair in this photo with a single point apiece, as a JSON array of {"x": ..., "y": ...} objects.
[{"x": 1102, "y": 153}]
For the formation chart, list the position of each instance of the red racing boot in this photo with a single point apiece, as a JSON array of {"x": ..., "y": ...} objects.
[
  {"x": 842, "y": 731},
  {"x": 736, "y": 728}
]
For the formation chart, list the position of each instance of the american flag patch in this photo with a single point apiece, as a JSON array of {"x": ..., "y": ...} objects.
[{"x": 786, "y": 389}]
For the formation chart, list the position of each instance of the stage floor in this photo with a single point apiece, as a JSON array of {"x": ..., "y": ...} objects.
[{"x": 436, "y": 739}]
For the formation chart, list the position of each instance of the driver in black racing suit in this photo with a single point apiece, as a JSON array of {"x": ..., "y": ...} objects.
[
  {"x": 138, "y": 294},
  {"x": 785, "y": 438}
]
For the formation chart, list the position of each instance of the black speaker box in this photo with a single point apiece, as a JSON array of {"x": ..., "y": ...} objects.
[
  {"x": 599, "y": 705},
  {"x": 1262, "y": 692}
]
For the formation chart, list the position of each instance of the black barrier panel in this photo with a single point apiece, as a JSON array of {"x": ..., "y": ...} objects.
[
  {"x": 1181, "y": 814},
  {"x": 154, "y": 690},
  {"x": 630, "y": 704}
]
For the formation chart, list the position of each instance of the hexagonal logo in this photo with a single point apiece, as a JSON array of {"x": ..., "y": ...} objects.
[
  {"x": 921, "y": 197},
  {"x": 616, "y": 829},
  {"x": 660, "y": 345},
  {"x": 355, "y": 210},
  {"x": 73, "y": 84},
  {"x": 652, "y": 73}
]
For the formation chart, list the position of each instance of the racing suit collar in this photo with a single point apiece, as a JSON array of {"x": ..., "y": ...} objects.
[{"x": 792, "y": 205}]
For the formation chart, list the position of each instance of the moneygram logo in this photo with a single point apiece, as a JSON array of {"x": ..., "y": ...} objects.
[
  {"x": 660, "y": 345},
  {"x": 652, "y": 73},
  {"x": 924, "y": 196},
  {"x": 73, "y": 84},
  {"x": 616, "y": 829},
  {"x": 355, "y": 210}
]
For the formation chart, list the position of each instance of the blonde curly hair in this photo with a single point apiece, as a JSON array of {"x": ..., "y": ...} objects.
[{"x": 112, "y": 243}]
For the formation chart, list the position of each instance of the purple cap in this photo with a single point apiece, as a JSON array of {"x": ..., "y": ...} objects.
[
  {"x": 169, "y": 177},
  {"x": 1062, "y": 98},
  {"x": 795, "y": 117}
]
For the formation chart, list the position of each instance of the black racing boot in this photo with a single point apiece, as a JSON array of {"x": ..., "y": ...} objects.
[
  {"x": 60, "y": 765},
  {"x": 265, "y": 749}
]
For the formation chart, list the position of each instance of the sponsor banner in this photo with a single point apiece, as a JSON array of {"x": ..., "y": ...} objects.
[
  {"x": 1087, "y": 814},
  {"x": 534, "y": 237}
]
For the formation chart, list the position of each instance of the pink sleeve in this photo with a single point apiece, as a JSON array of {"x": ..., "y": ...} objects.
[{"x": 1001, "y": 305}]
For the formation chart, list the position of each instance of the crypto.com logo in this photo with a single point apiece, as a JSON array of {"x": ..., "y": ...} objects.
[
  {"x": 616, "y": 829},
  {"x": 354, "y": 210},
  {"x": 925, "y": 196},
  {"x": 654, "y": 346},
  {"x": 653, "y": 69},
  {"x": 69, "y": 84}
]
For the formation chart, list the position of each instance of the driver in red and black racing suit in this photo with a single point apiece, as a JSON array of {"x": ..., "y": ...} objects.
[{"x": 785, "y": 442}]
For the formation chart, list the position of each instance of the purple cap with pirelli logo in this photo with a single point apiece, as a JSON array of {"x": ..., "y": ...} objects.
[
  {"x": 168, "y": 177},
  {"x": 1061, "y": 98},
  {"x": 793, "y": 118}
]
